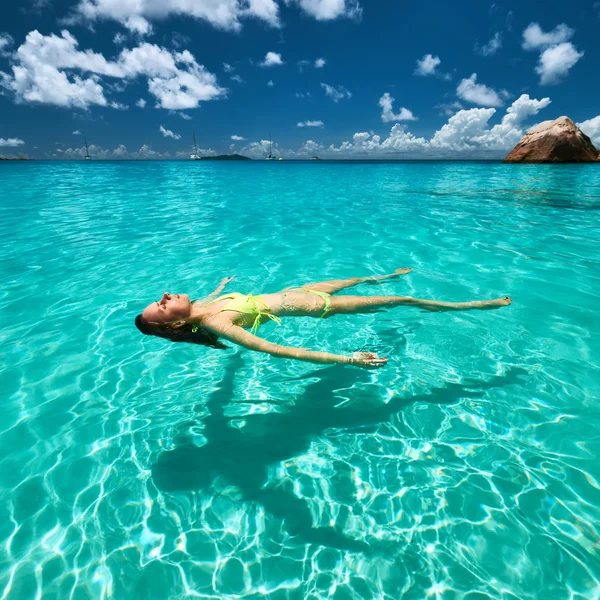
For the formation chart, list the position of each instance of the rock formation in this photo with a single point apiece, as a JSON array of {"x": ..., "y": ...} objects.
[{"x": 558, "y": 141}]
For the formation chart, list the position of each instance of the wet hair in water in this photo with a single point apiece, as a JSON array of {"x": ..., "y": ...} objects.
[{"x": 201, "y": 336}]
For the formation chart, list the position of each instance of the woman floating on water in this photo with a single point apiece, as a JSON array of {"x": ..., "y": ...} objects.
[{"x": 177, "y": 319}]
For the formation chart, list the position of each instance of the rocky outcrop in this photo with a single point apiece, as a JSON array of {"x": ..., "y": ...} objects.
[{"x": 558, "y": 141}]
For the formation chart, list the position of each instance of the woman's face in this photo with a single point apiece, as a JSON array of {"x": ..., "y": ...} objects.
[{"x": 171, "y": 307}]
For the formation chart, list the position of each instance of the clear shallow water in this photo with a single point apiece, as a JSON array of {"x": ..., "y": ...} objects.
[{"x": 136, "y": 469}]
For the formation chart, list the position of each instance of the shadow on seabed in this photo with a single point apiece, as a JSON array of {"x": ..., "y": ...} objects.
[{"x": 242, "y": 457}]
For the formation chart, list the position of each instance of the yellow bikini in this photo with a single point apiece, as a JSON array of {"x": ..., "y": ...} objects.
[
  {"x": 325, "y": 296},
  {"x": 248, "y": 304}
]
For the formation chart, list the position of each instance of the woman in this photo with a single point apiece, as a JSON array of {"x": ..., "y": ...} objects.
[{"x": 177, "y": 319}]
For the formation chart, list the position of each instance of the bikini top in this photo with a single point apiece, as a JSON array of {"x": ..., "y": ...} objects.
[{"x": 247, "y": 305}]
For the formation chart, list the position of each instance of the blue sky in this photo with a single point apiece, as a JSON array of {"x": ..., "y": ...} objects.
[{"x": 378, "y": 79}]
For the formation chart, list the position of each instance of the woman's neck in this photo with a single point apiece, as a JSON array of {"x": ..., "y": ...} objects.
[{"x": 198, "y": 312}]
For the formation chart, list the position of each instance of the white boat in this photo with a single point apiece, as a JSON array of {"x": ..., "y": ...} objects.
[
  {"x": 87, "y": 152},
  {"x": 270, "y": 155},
  {"x": 195, "y": 155}
]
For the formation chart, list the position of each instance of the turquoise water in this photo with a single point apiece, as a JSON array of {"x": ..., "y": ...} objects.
[{"x": 467, "y": 468}]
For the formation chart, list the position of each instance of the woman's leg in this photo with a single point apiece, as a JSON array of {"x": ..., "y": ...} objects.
[
  {"x": 350, "y": 305},
  {"x": 335, "y": 285}
]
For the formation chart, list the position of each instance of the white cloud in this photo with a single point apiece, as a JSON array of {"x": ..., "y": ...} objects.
[
  {"x": 11, "y": 142},
  {"x": 119, "y": 39},
  {"x": 270, "y": 83},
  {"x": 180, "y": 114},
  {"x": 169, "y": 133},
  {"x": 427, "y": 65},
  {"x": 141, "y": 103},
  {"x": 271, "y": 59},
  {"x": 555, "y": 62},
  {"x": 325, "y": 10},
  {"x": 237, "y": 138},
  {"x": 36, "y": 76},
  {"x": 398, "y": 142},
  {"x": 260, "y": 149},
  {"x": 336, "y": 94},
  {"x": 176, "y": 87},
  {"x": 318, "y": 64},
  {"x": 137, "y": 14},
  {"x": 591, "y": 128},
  {"x": 267, "y": 10},
  {"x": 227, "y": 68},
  {"x": 468, "y": 129},
  {"x": 6, "y": 41},
  {"x": 178, "y": 40},
  {"x": 492, "y": 46},
  {"x": 77, "y": 132},
  {"x": 310, "y": 124},
  {"x": 121, "y": 150},
  {"x": 386, "y": 101},
  {"x": 145, "y": 151},
  {"x": 237, "y": 79},
  {"x": 477, "y": 93},
  {"x": 122, "y": 153},
  {"x": 462, "y": 127},
  {"x": 534, "y": 38},
  {"x": 303, "y": 95},
  {"x": 309, "y": 147},
  {"x": 558, "y": 55},
  {"x": 450, "y": 108},
  {"x": 466, "y": 134},
  {"x": 43, "y": 71},
  {"x": 509, "y": 131},
  {"x": 524, "y": 107},
  {"x": 202, "y": 151}
]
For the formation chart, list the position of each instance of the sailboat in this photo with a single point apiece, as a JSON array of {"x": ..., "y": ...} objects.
[
  {"x": 270, "y": 155},
  {"x": 87, "y": 151},
  {"x": 195, "y": 155}
]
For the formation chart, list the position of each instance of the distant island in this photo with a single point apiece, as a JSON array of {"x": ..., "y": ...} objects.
[
  {"x": 226, "y": 157},
  {"x": 14, "y": 158}
]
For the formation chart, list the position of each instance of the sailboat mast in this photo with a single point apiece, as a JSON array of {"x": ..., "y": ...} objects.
[
  {"x": 87, "y": 151},
  {"x": 270, "y": 147}
]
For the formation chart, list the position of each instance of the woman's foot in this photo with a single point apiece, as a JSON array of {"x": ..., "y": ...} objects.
[
  {"x": 476, "y": 305},
  {"x": 492, "y": 304}
]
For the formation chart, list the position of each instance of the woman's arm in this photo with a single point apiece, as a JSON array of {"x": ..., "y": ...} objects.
[
  {"x": 218, "y": 290},
  {"x": 244, "y": 338}
]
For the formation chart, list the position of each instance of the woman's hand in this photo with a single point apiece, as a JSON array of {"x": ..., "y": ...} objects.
[{"x": 368, "y": 360}]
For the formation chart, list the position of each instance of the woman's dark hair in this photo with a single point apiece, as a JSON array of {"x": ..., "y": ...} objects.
[{"x": 180, "y": 334}]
